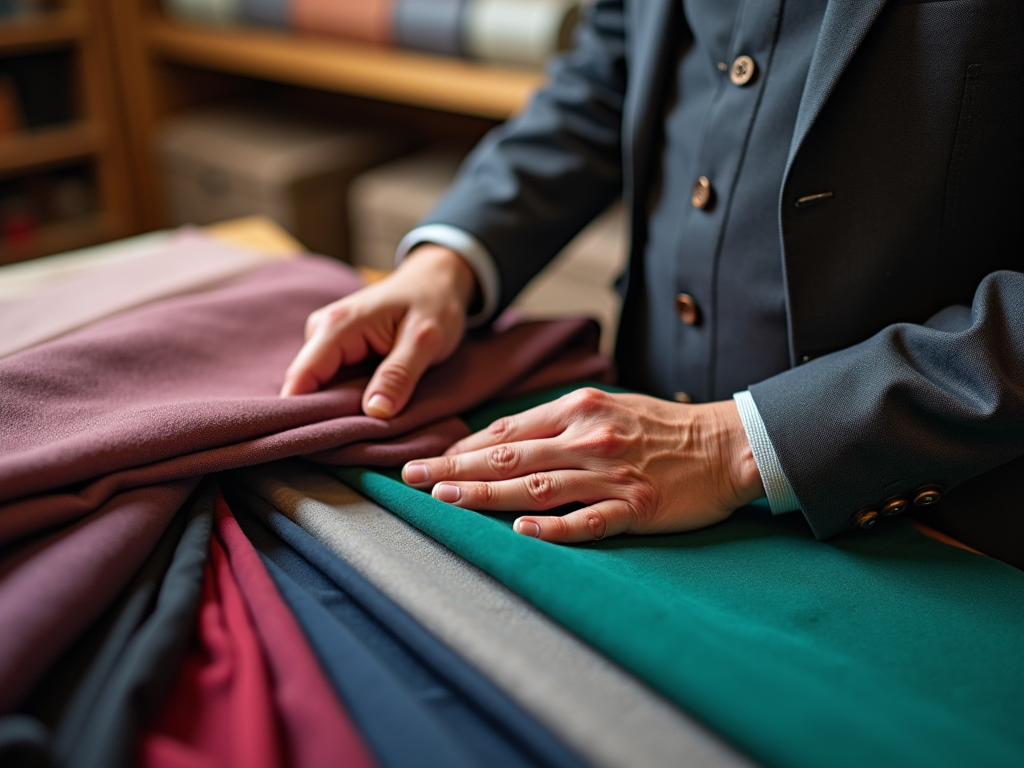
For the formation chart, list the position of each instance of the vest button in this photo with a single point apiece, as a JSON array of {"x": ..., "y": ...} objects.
[
  {"x": 687, "y": 308},
  {"x": 742, "y": 70},
  {"x": 701, "y": 193}
]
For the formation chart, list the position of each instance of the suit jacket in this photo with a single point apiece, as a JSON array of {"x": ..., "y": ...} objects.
[{"x": 904, "y": 289}]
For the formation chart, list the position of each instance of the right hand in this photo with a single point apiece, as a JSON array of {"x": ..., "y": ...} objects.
[{"x": 415, "y": 317}]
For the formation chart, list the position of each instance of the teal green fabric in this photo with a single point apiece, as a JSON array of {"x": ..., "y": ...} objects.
[{"x": 881, "y": 648}]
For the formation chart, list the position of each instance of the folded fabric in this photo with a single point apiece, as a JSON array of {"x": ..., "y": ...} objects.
[
  {"x": 250, "y": 692},
  {"x": 188, "y": 262},
  {"x": 881, "y": 649},
  {"x": 90, "y": 707},
  {"x": 52, "y": 589},
  {"x": 189, "y": 385},
  {"x": 605, "y": 714},
  {"x": 392, "y": 674},
  {"x": 368, "y": 20}
]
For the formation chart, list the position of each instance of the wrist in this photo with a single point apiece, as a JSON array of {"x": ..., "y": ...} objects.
[
  {"x": 445, "y": 268},
  {"x": 737, "y": 455}
]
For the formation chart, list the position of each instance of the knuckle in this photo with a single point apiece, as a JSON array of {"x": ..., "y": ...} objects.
[
  {"x": 589, "y": 400},
  {"x": 334, "y": 314},
  {"x": 595, "y": 524},
  {"x": 395, "y": 376},
  {"x": 541, "y": 488},
  {"x": 642, "y": 501},
  {"x": 502, "y": 429},
  {"x": 503, "y": 459},
  {"x": 605, "y": 442},
  {"x": 486, "y": 494},
  {"x": 428, "y": 334}
]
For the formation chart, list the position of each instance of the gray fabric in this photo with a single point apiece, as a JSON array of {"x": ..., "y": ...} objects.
[
  {"x": 599, "y": 710},
  {"x": 430, "y": 25}
]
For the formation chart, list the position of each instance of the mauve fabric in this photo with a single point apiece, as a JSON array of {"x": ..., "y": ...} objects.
[
  {"x": 251, "y": 692},
  {"x": 189, "y": 386},
  {"x": 54, "y": 588}
]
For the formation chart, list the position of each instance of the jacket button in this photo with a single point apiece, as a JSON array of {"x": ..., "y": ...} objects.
[
  {"x": 687, "y": 308},
  {"x": 894, "y": 507},
  {"x": 927, "y": 495},
  {"x": 865, "y": 519},
  {"x": 742, "y": 70},
  {"x": 701, "y": 193}
]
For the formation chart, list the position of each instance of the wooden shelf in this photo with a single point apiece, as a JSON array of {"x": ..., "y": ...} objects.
[
  {"x": 348, "y": 67},
  {"x": 46, "y": 31},
  {"x": 66, "y": 236},
  {"x": 48, "y": 146}
]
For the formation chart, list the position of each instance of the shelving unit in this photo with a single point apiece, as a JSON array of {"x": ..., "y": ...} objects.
[{"x": 96, "y": 136}]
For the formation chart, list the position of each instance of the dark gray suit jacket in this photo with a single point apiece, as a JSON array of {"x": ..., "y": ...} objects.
[{"x": 905, "y": 292}]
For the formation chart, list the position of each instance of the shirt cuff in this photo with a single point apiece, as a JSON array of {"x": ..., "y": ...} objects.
[
  {"x": 472, "y": 251},
  {"x": 776, "y": 486}
]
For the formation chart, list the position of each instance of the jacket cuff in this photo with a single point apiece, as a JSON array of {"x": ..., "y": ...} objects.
[
  {"x": 781, "y": 497},
  {"x": 473, "y": 252}
]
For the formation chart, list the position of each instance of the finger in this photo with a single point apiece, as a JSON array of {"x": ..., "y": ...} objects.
[
  {"x": 417, "y": 345},
  {"x": 593, "y": 523},
  {"x": 537, "y": 491},
  {"x": 543, "y": 421},
  {"x": 500, "y": 462},
  {"x": 321, "y": 357}
]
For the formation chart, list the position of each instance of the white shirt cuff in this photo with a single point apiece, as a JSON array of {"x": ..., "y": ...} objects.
[
  {"x": 469, "y": 248},
  {"x": 776, "y": 486}
]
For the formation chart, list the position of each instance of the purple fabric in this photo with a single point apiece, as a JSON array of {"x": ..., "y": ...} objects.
[
  {"x": 189, "y": 386},
  {"x": 54, "y": 588}
]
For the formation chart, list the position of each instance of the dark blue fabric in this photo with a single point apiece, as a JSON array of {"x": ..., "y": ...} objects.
[{"x": 415, "y": 702}]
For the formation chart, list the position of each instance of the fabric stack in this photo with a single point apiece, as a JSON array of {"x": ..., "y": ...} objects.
[
  {"x": 508, "y": 31},
  {"x": 168, "y": 598}
]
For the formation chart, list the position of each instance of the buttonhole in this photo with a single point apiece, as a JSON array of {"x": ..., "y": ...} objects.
[{"x": 808, "y": 200}]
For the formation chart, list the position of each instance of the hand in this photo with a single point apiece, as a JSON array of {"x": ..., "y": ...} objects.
[
  {"x": 641, "y": 465},
  {"x": 415, "y": 316}
]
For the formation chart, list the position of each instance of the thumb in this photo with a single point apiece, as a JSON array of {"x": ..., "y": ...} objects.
[{"x": 416, "y": 346}]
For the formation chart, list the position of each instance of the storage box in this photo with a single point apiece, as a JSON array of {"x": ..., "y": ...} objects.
[
  {"x": 389, "y": 200},
  {"x": 229, "y": 162}
]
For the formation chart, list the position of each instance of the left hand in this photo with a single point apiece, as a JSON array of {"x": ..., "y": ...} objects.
[{"x": 640, "y": 464}]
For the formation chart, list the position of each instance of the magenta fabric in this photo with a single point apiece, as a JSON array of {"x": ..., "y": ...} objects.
[
  {"x": 250, "y": 691},
  {"x": 189, "y": 386},
  {"x": 52, "y": 589}
]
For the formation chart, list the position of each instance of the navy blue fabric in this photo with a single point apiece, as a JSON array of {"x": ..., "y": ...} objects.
[
  {"x": 414, "y": 701},
  {"x": 430, "y": 25}
]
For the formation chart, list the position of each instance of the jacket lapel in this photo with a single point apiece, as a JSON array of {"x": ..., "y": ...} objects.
[{"x": 843, "y": 29}]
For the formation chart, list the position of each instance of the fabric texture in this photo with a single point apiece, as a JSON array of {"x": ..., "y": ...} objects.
[
  {"x": 95, "y": 700},
  {"x": 188, "y": 262},
  {"x": 251, "y": 692},
  {"x": 779, "y": 492},
  {"x": 190, "y": 385},
  {"x": 779, "y": 642},
  {"x": 605, "y": 714},
  {"x": 394, "y": 677},
  {"x": 53, "y": 588}
]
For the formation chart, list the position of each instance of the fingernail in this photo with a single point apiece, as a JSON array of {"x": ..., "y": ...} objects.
[
  {"x": 527, "y": 528},
  {"x": 448, "y": 493},
  {"x": 380, "y": 406},
  {"x": 415, "y": 473}
]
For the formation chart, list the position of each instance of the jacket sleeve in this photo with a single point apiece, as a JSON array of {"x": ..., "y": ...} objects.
[
  {"x": 535, "y": 181},
  {"x": 914, "y": 405}
]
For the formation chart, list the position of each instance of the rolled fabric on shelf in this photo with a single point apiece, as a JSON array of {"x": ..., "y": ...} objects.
[
  {"x": 270, "y": 13},
  {"x": 430, "y": 25},
  {"x": 218, "y": 12},
  {"x": 518, "y": 31},
  {"x": 368, "y": 20}
]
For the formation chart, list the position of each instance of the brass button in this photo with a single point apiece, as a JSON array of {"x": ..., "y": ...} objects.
[
  {"x": 742, "y": 70},
  {"x": 686, "y": 306},
  {"x": 927, "y": 495},
  {"x": 683, "y": 397},
  {"x": 865, "y": 519},
  {"x": 894, "y": 507},
  {"x": 701, "y": 193}
]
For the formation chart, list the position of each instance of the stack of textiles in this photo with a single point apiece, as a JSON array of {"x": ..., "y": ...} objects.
[
  {"x": 509, "y": 31},
  {"x": 168, "y": 598},
  {"x": 143, "y": 621}
]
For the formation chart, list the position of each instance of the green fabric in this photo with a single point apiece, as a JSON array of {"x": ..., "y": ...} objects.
[{"x": 881, "y": 648}]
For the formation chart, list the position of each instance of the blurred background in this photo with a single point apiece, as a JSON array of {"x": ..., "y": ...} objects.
[{"x": 342, "y": 121}]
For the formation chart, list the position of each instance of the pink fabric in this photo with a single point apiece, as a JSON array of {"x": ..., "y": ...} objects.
[
  {"x": 54, "y": 588},
  {"x": 189, "y": 386},
  {"x": 250, "y": 692}
]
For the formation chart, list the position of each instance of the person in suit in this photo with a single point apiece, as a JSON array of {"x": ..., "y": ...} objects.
[{"x": 824, "y": 300}]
